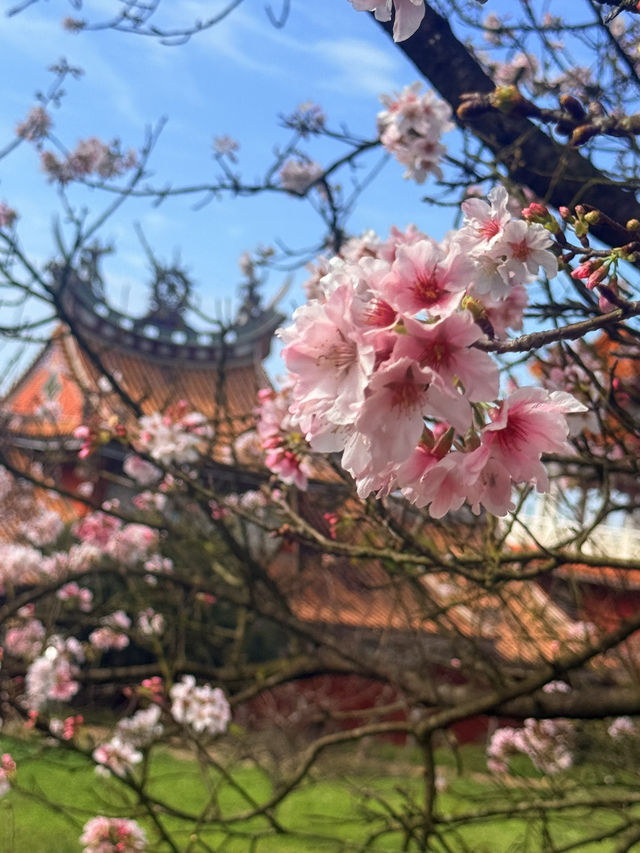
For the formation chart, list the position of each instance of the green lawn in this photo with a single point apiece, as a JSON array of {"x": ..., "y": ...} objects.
[{"x": 346, "y": 807}]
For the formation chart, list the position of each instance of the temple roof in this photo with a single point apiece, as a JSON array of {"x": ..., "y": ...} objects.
[{"x": 155, "y": 360}]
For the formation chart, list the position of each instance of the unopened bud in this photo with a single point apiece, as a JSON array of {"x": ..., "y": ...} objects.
[
  {"x": 583, "y": 134},
  {"x": 593, "y": 217},
  {"x": 472, "y": 107},
  {"x": 633, "y": 225},
  {"x": 573, "y": 106},
  {"x": 508, "y": 99},
  {"x": 535, "y": 209}
]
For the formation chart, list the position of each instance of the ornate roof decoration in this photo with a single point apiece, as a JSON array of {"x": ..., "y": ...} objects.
[{"x": 164, "y": 334}]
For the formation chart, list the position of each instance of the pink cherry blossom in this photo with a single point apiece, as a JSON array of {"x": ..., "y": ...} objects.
[
  {"x": 445, "y": 347},
  {"x": 36, "y": 125},
  {"x": 298, "y": 175},
  {"x": 410, "y": 129},
  {"x": 175, "y": 437},
  {"x": 424, "y": 278},
  {"x": 400, "y": 395},
  {"x": 113, "y": 835},
  {"x": 525, "y": 248},
  {"x": 408, "y": 14},
  {"x": 117, "y": 756},
  {"x": 328, "y": 358},
  {"x": 484, "y": 221},
  {"x": 201, "y": 707},
  {"x": 530, "y": 422},
  {"x": 7, "y": 215},
  {"x": 7, "y": 772},
  {"x": 143, "y": 472},
  {"x": 51, "y": 676}
]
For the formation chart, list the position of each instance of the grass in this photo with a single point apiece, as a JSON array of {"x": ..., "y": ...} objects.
[{"x": 345, "y": 805}]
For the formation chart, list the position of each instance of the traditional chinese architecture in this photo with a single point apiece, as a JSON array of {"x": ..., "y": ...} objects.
[{"x": 101, "y": 362}]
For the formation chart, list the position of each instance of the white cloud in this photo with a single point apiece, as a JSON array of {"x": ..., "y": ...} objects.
[{"x": 357, "y": 67}]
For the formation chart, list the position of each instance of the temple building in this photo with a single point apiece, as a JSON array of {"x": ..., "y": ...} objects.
[{"x": 100, "y": 362}]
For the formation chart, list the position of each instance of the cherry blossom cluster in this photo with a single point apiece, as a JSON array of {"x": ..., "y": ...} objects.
[
  {"x": 307, "y": 119},
  {"x": 7, "y": 215},
  {"x": 150, "y": 623},
  {"x": 65, "y": 729},
  {"x": 143, "y": 472},
  {"x": 90, "y": 157},
  {"x": 25, "y": 636},
  {"x": 36, "y": 126},
  {"x": 548, "y": 743},
  {"x": 226, "y": 146},
  {"x": 7, "y": 772},
  {"x": 126, "y": 543},
  {"x": 175, "y": 437},
  {"x": 200, "y": 707},
  {"x": 298, "y": 175},
  {"x": 142, "y": 729},
  {"x": 43, "y": 529},
  {"x": 383, "y": 369},
  {"x": 622, "y": 727},
  {"x": 113, "y": 835},
  {"x": 410, "y": 128},
  {"x": 25, "y": 565},
  {"x": 121, "y": 753},
  {"x": 408, "y": 14},
  {"x": 53, "y": 675},
  {"x": 117, "y": 756},
  {"x": 78, "y": 596},
  {"x": 111, "y": 634},
  {"x": 286, "y": 451}
]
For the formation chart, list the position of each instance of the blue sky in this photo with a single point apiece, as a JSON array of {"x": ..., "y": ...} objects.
[{"x": 234, "y": 79}]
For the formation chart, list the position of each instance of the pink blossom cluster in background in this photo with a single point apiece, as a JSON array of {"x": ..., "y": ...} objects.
[
  {"x": 175, "y": 437},
  {"x": 65, "y": 729},
  {"x": 25, "y": 637},
  {"x": 548, "y": 743},
  {"x": 7, "y": 771},
  {"x": 410, "y": 128},
  {"x": 111, "y": 633},
  {"x": 35, "y": 126},
  {"x": 20, "y": 564},
  {"x": 408, "y": 14},
  {"x": 52, "y": 675},
  {"x": 150, "y": 623},
  {"x": 621, "y": 728},
  {"x": 383, "y": 369},
  {"x": 113, "y": 835},
  {"x": 91, "y": 157},
  {"x": 42, "y": 529},
  {"x": 7, "y": 215},
  {"x": 298, "y": 175},
  {"x": 286, "y": 452},
  {"x": 142, "y": 729},
  {"x": 202, "y": 708},
  {"x": 117, "y": 756},
  {"x": 143, "y": 472},
  {"x": 77, "y": 596},
  {"x": 127, "y": 543}
]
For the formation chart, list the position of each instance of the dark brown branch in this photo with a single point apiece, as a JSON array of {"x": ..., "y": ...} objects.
[{"x": 554, "y": 172}]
